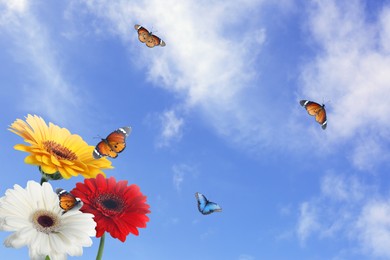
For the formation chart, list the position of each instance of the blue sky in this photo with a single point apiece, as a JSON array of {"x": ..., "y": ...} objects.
[{"x": 216, "y": 111}]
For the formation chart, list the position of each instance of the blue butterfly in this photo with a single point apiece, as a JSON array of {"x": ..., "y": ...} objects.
[{"x": 205, "y": 206}]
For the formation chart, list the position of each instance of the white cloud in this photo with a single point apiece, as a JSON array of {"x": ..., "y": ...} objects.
[
  {"x": 14, "y": 6},
  {"x": 172, "y": 127},
  {"x": 373, "y": 226},
  {"x": 209, "y": 61},
  {"x": 369, "y": 153},
  {"x": 181, "y": 171},
  {"x": 340, "y": 188},
  {"x": 45, "y": 89},
  {"x": 307, "y": 221},
  {"x": 347, "y": 209},
  {"x": 351, "y": 70}
]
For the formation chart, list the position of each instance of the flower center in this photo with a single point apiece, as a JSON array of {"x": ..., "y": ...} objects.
[
  {"x": 110, "y": 204},
  {"x": 59, "y": 151},
  {"x": 45, "y": 221}
]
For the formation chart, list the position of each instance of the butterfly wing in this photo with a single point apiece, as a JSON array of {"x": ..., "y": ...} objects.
[
  {"x": 153, "y": 40},
  {"x": 321, "y": 118},
  {"x": 113, "y": 144},
  {"x": 205, "y": 206},
  {"x": 117, "y": 139},
  {"x": 103, "y": 149},
  {"x": 317, "y": 110},
  {"x": 143, "y": 34},
  {"x": 67, "y": 201},
  {"x": 147, "y": 37}
]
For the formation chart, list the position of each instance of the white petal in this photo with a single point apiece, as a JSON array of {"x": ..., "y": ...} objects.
[
  {"x": 34, "y": 190},
  {"x": 34, "y": 255},
  {"x": 57, "y": 256},
  {"x": 21, "y": 238},
  {"x": 72, "y": 233},
  {"x": 16, "y": 223},
  {"x": 51, "y": 197},
  {"x": 16, "y": 202},
  {"x": 41, "y": 244}
]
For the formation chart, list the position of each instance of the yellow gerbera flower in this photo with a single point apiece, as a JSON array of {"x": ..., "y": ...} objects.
[{"x": 55, "y": 149}]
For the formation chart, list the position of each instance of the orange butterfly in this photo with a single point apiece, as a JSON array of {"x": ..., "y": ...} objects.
[
  {"x": 113, "y": 144},
  {"x": 147, "y": 37},
  {"x": 317, "y": 110},
  {"x": 67, "y": 200}
]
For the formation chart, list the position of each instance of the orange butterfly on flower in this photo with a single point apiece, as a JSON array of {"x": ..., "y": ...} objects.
[
  {"x": 113, "y": 144},
  {"x": 317, "y": 110},
  {"x": 67, "y": 200},
  {"x": 147, "y": 37}
]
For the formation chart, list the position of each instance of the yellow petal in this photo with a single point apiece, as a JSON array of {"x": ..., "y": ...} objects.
[
  {"x": 48, "y": 169},
  {"x": 31, "y": 160},
  {"x": 64, "y": 173},
  {"x": 46, "y": 160},
  {"x": 54, "y": 160},
  {"x": 67, "y": 162},
  {"x": 38, "y": 157},
  {"x": 22, "y": 147},
  {"x": 71, "y": 171}
]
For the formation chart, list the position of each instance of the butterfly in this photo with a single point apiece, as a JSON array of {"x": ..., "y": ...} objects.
[
  {"x": 147, "y": 37},
  {"x": 113, "y": 144},
  {"x": 67, "y": 200},
  {"x": 317, "y": 110},
  {"x": 205, "y": 206}
]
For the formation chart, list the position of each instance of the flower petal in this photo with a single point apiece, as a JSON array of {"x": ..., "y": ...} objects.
[
  {"x": 55, "y": 149},
  {"x": 35, "y": 217}
]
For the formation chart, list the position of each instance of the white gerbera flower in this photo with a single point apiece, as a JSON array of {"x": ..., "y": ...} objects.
[{"x": 36, "y": 218}]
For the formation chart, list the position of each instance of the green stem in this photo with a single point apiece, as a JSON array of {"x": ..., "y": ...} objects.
[
  {"x": 101, "y": 247},
  {"x": 43, "y": 179},
  {"x": 47, "y": 258}
]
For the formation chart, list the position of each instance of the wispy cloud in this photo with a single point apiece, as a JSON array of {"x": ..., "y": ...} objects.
[
  {"x": 351, "y": 70},
  {"x": 209, "y": 62},
  {"x": 308, "y": 222},
  {"x": 347, "y": 209},
  {"x": 172, "y": 126},
  {"x": 11, "y": 8},
  {"x": 45, "y": 90},
  {"x": 180, "y": 172},
  {"x": 373, "y": 227}
]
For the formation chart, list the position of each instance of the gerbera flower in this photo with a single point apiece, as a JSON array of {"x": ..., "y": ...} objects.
[
  {"x": 118, "y": 209},
  {"x": 55, "y": 149},
  {"x": 36, "y": 218}
]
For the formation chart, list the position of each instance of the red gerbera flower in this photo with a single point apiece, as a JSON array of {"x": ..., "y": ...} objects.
[{"x": 118, "y": 209}]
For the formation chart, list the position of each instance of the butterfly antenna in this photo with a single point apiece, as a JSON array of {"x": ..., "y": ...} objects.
[
  {"x": 323, "y": 102},
  {"x": 152, "y": 31}
]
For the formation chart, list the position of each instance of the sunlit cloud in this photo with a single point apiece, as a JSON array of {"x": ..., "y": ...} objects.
[
  {"x": 373, "y": 227},
  {"x": 13, "y": 7},
  {"x": 347, "y": 208},
  {"x": 350, "y": 69},
  {"x": 208, "y": 63},
  {"x": 172, "y": 126}
]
